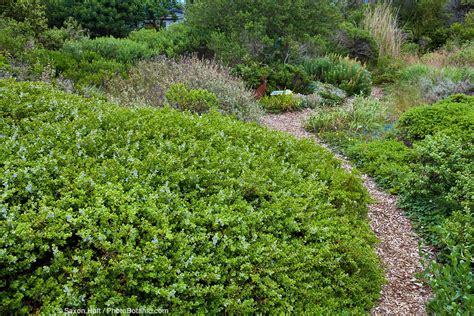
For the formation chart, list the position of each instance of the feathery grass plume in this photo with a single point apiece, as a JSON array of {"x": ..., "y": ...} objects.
[{"x": 380, "y": 21}]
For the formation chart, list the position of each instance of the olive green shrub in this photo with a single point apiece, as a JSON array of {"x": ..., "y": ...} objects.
[
  {"x": 194, "y": 100},
  {"x": 281, "y": 103},
  {"x": 453, "y": 116},
  {"x": 148, "y": 82}
]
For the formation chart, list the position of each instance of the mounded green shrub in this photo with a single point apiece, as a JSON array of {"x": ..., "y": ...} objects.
[
  {"x": 277, "y": 76},
  {"x": 173, "y": 41},
  {"x": 194, "y": 100},
  {"x": 281, "y": 103},
  {"x": 356, "y": 42},
  {"x": 453, "y": 116},
  {"x": 107, "y": 206},
  {"x": 89, "y": 69},
  {"x": 387, "y": 161},
  {"x": 441, "y": 182},
  {"x": 330, "y": 95},
  {"x": 15, "y": 36},
  {"x": 343, "y": 72}
]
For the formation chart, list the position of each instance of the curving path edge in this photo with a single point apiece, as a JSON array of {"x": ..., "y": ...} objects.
[{"x": 398, "y": 248}]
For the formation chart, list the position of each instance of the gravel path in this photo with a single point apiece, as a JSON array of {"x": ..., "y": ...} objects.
[{"x": 398, "y": 247}]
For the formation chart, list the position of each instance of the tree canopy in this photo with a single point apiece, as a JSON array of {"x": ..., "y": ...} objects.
[
  {"x": 263, "y": 28},
  {"x": 108, "y": 17}
]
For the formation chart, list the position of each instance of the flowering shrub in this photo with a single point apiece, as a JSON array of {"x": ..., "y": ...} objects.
[{"x": 108, "y": 206}]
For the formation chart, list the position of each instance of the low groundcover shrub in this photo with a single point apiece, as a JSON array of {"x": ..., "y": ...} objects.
[{"x": 108, "y": 206}]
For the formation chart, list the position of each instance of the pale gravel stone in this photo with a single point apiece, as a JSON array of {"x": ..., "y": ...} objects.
[{"x": 398, "y": 248}]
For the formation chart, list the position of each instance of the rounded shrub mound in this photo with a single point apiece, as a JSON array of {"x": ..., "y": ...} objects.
[
  {"x": 453, "y": 116},
  {"x": 343, "y": 72},
  {"x": 106, "y": 206}
]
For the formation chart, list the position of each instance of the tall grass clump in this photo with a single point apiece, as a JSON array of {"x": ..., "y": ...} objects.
[{"x": 380, "y": 21}]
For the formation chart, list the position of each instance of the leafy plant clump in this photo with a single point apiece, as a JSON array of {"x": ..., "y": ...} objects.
[
  {"x": 194, "y": 100},
  {"x": 451, "y": 277},
  {"x": 329, "y": 94},
  {"x": 452, "y": 116},
  {"x": 123, "y": 50},
  {"x": 113, "y": 206},
  {"x": 343, "y": 72},
  {"x": 281, "y": 103},
  {"x": 276, "y": 76},
  {"x": 363, "y": 115},
  {"x": 441, "y": 182},
  {"x": 386, "y": 160}
]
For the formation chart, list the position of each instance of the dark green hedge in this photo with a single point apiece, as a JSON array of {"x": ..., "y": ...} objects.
[{"x": 123, "y": 207}]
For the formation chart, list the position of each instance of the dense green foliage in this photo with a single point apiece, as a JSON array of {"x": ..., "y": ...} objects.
[
  {"x": 176, "y": 40},
  {"x": 264, "y": 30},
  {"x": 67, "y": 53},
  {"x": 355, "y": 42},
  {"x": 441, "y": 181},
  {"x": 194, "y": 100},
  {"x": 102, "y": 18},
  {"x": 111, "y": 206},
  {"x": 30, "y": 12},
  {"x": 281, "y": 103},
  {"x": 276, "y": 76},
  {"x": 451, "y": 278},
  {"x": 330, "y": 95},
  {"x": 122, "y": 50},
  {"x": 387, "y": 161},
  {"x": 453, "y": 116},
  {"x": 346, "y": 73},
  {"x": 365, "y": 115},
  {"x": 433, "y": 22},
  {"x": 420, "y": 51}
]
